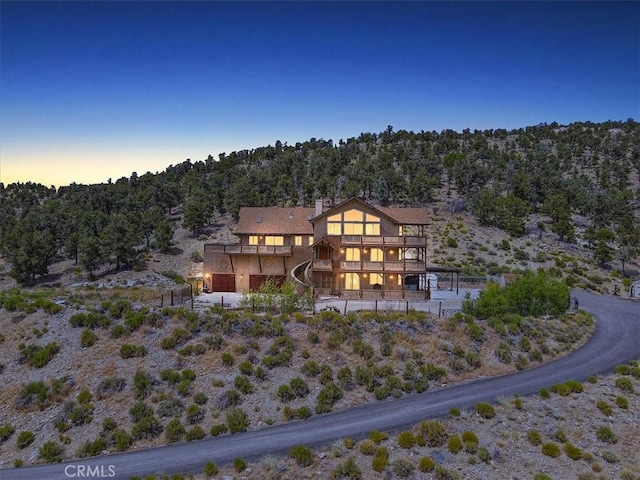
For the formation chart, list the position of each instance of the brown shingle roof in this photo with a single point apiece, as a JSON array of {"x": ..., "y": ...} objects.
[
  {"x": 407, "y": 216},
  {"x": 275, "y": 221}
]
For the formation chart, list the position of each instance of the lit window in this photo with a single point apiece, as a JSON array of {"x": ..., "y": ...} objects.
[
  {"x": 353, "y": 255},
  {"x": 372, "y": 229},
  {"x": 253, "y": 240},
  {"x": 274, "y": 240},
  {"x": 353, "y": 228},
  {"x": 352, "y": 281},
  {"x": 334, "y": 228},
  {"x": 335, "y": 218},
  {"x": 310, "y": 239},
  {"x": 298, "y": 240},
  {"x": 375, "y": 255},
  {"x": 399, "y": 280},
  {"x": 353, "y": 216},
  {"x": 375, "y": 278}
]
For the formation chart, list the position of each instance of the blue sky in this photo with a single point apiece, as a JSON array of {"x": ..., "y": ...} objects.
[{"x": 98, "y": 90}]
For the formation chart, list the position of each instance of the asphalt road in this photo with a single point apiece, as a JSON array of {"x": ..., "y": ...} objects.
[{"x": 616, "y": 340}]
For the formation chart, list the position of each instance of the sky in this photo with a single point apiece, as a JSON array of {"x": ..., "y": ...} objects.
[{"x": 97, "y": 90}]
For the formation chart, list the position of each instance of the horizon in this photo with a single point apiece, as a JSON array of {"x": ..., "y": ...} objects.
[{"x": 152, "y": 84}]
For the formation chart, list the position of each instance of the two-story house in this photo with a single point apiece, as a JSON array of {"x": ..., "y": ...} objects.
[{"x": 353, "y": 249}]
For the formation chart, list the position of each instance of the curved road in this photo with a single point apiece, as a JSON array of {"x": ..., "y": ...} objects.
[{"x": 616, "y": 340}]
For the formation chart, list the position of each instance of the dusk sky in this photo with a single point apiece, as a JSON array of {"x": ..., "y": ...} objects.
[{"x": 98, "y": 90}]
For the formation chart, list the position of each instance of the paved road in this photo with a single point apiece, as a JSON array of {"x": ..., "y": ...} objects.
[{"x": 616, "y": 340}]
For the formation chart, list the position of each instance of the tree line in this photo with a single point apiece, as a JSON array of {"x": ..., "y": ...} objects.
[{"x": 590, "y": 169}]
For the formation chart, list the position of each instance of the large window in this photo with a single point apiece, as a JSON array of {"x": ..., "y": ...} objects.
[
  {"x": 375, "y": 255},
  {"x": 352, "y": 281},
  {"x": 353, "y": 222},
  {"x": 253, "y": 240},
  {"x": 375, "y": 279},
  {"x": 298, "y": 240},
  {"x": 353, "y": 255},
  {"x": 274, "y": 240}
]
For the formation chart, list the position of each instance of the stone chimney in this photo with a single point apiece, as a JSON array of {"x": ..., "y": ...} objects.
[{"x": 318, "y": 207}]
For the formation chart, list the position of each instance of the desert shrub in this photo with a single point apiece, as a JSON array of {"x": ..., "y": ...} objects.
[
  {"x": 84, "y": 397},
  {"x": 605, "y": 408},
  {"x": 348, "y": 442},
  {"x": 327, "y": 397},
  {"x": 454, "y": 412},
  {"x": 542, "y": 476},
  {"x": 433, "y": 432},
  {"x": 622, "y": 402},
  {"x": 544, "y": 393},
  {"x": 624, "y": 384},
  {"x": 402, "y": 467},
  {"x": 367, "y": 447},
  {"x": 378, "y": 464},
  {"x": 237, "y": 420},
  {"x": 37, "y": 356},
  {"x": 210, "y": 469},
  {"x": 218, "y": 429},
  {"x": 227, "y": 359},
  {"x": 575, "y": 386},
  {"x": 25, "y": 439},
  {"x": 299, "y": 387},
  {"x": 485, "y": 410},
  {"x": 326, "y": 374},
  {"x": 349, "y": 469},
  {"x": 609, "y": 457},
  {"x": 243, "y": 384},
  {"x": 132, "y": 351},
  {"x": 143, "y": 383},
  {"x": 310, "y": 368},
  {"x": 239, "y": 465},
  {"x": 170, "y": 407},
  {"x": 573, "y": 452},
  {"x": 454, "y": 444},
  {"x": 121, "y": 440},
  {"x": 230, "y": 398},
  {"x": 622, "y": 369},
  {"x": 139, "y": 411},
  {"x": 196, "y": 433},
  {"x": 406, "y": 439},
  {"x": 345, "y": 378},
  {"x": 605, "y": 434},
  {"x": 377, "y": 436},
  {"x": 88, "y": 338},
  {"x": 551, "y": 449},
  {"x": 534, "y": 437},
  {"x": 246, "y": 367},
  {"x": 484, "y": 455},
  {"x": 426, "y": 464},
  {"x": 92, "y": 448},
  {"x": 51, "y": 452},
  {"x": 302, "y": 455},
  {"x": 147, "y": 427},
  {"x": 285, "y": 393},
  {"x": 194, "y": 414},
  {"x": 561, "y": 436},
  {"x": 443, "y": 473},
  {"x": 6, "y": 431},
  {"x": 191, "y": 350}
]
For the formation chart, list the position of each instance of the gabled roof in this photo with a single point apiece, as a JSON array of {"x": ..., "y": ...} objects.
[
  {"x": 398, "y": 215},
  {"x": 275, "y": 221},
  {"x": 333, "y": 242}
]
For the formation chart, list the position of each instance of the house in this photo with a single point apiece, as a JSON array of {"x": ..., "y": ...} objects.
[{"x": 353, "y": 249}]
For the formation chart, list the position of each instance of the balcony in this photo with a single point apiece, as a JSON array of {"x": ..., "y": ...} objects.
[
  {"x": 237, "y": 249},
  {"x": 396, "y": 266},
  {"x": 323, "y": 265},
  {"x": 383, "y": 240}
]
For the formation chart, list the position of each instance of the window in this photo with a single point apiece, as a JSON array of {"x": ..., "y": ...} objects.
[
  {"x": 297, "y": 240},
  {"x": 353, "y": 222},
  {"x": 399, "y": 280},
  {"x": 353, "y": 255},
  {"x": 351, "y": 228},
  {"x": 310, "y": 239},
  {"x": 253, "y": 240},
  {"x": 372, "y": 229},
  {"x": 375, "y": 255},
  {"x": 375, "y": 278},
  {"x": 334, "y": 228},
  {"x": 352, "y": 281},
  {"x": 274, "y": 240},
  {"x": 353, "y": 216}
]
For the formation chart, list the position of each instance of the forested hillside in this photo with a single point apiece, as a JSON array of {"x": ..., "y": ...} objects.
[{"x": 585, "y": 170}]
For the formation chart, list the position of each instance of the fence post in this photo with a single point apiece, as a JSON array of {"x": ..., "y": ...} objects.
[
  {"x": 376, "y": 304},
  {"x": 222, "y": 301},
  {"x": 407, "y": 310},
  {"x": 172, "y": 298},
  {"x": 440, "y": 309},
  {"x": 345, "y": 306}
]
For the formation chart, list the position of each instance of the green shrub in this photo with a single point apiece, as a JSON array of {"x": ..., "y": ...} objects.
[
  {"x": 88, "y": 338},
  {"x": 575, "y": 386},
  {"x": 605, "y": 408},
  {"x": 367, "y": 447},
  {"x": 302, "y": 455},
  {"x": 561, "y": 436},
  {"x": 433, "y": 432},
  {"x": 121, "y": 440},
  {"x": 534, "y": 437},
  {"x": 622, "y": 402},
  {"x": 485, "y": 410},
  {"x": 210, "y": 469},
  {"x": 349, "y": 468},
  {"x": 237, "y": 420},
  {"x": 561, "y": 389},
  {"x": 92, "y": 448},
  {"x": 6, "y": 431},
  {"x": 246, "y": 368},
  {"x": 37, "y": 356},
  {"x": 454, "y": 444},
  {"x": 51, "y": 452},
  {"x": 148, "y": 427},
  {"x": 227, "y": 359},
  {"x": 544, "y": 393},
  {"x": 592, "y": 379},
  {"x": 143, "y": 383},
  {"x": 406, "y": 439},
  {"x": 132, "y": 351},
  {"x": 573, "y": 452},
  {"x": 299, "y": 387},
  {"x": 622, "y": 369},
  {"x": 426, "y": 464},
  {"x": 605, "y": 434},
  {"x": 239, "y": 465},
  {"x": 624, "y": 384},
  {"x": 542, "y": 476},
  {"x": 243, "y": 384},
  {"x": 310, "y": 368},
  {"x": 377, "y": 436},
  {"x": 174, "y": 431},
  {"x": 25, "y": 439},
  {"x": 454, "y": 412},
  {"x": 218, "y": 429},
  {"x": 551, "y": 449},
  {"x": 484, "y": 455},
  {"x": 610, "y": 457},
  {"x": 378, "y": 464},
  {"x": 196, "y": 433}
]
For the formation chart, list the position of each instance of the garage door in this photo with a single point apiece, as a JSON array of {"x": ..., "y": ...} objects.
[
  {"x": 223, "y": 282},
  {"x": 256, "y": 280}
]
